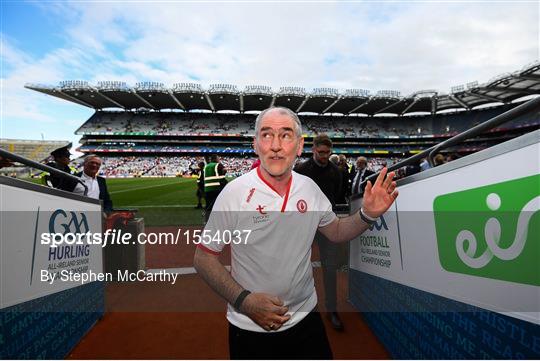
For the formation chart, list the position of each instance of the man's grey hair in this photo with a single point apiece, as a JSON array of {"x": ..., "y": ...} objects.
[
  {"x": 334, "y": 158},
  {"x": 90, "y": 156},
  {"x": 282, "y": 111},
  {"x": 361, "y": 159}
]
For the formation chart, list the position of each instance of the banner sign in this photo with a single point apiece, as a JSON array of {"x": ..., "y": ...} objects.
[
  {"x": 28, "y": 267},
  {"x": 471, "y": 234}
]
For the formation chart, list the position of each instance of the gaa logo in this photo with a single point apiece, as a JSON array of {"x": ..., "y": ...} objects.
[
  {"x": 379, "y": 224},
  {"x": 69, "y": 223},
  {"x": 301, "y": 205},
  {"x": 491, "y": 231}
]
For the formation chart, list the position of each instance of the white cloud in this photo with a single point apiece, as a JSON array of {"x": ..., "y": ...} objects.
[
  {"x": 406, "y": 46},
  {"x": 403, "y": 46}
]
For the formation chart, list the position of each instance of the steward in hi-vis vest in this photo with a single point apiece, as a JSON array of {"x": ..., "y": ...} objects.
[{"x": 214, "y": 181}]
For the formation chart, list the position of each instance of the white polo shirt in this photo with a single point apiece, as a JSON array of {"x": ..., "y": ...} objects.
[
  {"x": 276, "y": 256},
  {"x": 91, "y": 183}
]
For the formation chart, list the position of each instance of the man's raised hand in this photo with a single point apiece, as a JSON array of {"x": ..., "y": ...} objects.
[{"x": 379, "y": 196}]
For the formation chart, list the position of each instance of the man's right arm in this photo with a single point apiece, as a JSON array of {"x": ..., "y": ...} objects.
[
  {"x": 262, "y": 308},
  {"x": 216, "y": 275}
]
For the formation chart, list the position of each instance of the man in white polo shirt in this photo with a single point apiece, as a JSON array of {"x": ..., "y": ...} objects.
[
  {"x": 97, "y": 186},
  {"x": 269, "y": 216}
]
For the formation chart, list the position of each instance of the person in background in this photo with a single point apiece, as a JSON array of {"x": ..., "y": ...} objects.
[
  {"x": 345, "y": 178},
  {"x": 327, "y": 176},
  {"x": 439, "y": 160},
  {"x": 361, "y": 173},
  {"x": 200, "y": 186},
  {"x": 424, "y": 164},
  {"x": 214, "y": 181},
  {"x": 451, "y": 157},
  {"x": 61, "y": 162},
  {"x": 4, "y": 162},
  {"x": 412, "y": 169},
  {"x": 97, "y": 186}
]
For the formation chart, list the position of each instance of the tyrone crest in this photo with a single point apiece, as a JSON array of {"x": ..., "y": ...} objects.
[{"x": 301, "y": 205}]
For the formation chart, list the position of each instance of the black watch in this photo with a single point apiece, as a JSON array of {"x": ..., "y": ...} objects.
[
  {"x": 370, "y": 221},
  {"x": 240, "y": 299}
]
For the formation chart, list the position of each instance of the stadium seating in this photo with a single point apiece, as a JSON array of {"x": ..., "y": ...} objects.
[
  {"x": 168, "y": 144},
  {"x": 36, "y": 150},
  {"x": 174, "y": 123},
  {"x": 151, "y": 166}
]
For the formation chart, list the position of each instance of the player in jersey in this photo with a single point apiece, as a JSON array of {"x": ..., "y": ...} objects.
[{"x": 270, "y": 290}]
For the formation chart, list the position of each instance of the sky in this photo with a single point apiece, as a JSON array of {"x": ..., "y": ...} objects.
[{"x": 384, "y": 45}]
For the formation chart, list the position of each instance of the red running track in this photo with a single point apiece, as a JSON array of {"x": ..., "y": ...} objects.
[{"x": 157, "y": 320}]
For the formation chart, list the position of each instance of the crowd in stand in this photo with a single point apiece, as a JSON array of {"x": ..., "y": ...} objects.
[
  {"x": 118, "y": 167},
  {"x": 163, "y": 123},
  {"x": 153, "y": 166}
]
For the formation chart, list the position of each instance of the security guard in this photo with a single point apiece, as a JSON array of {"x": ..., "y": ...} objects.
[
  {"x": 214, "y": 181},
  {"x": 61, "y": 162}
]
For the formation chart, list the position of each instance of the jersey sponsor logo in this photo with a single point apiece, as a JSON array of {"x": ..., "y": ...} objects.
[
  {"x": 261, "y": 219},
  {"x": 491, "y": 231},
  {"x": 260, "y": 208},
  {"x": 251, "y": 191},
  {"x": 301, "y": 205}
]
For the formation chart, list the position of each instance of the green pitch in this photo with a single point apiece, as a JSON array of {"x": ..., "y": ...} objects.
[{"x": 160, "y": 201}]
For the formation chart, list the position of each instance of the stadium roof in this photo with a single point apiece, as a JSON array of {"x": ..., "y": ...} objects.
[
  {"x": 36, "y": 150},
  {"x": 503, "y": 89}
]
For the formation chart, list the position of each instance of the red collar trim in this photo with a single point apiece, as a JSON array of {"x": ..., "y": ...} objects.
[
  {"x": 286, "y": 195},
  {"x": 286, "y": 198}
]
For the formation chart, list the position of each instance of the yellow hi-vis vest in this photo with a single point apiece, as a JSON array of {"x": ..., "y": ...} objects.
[
  {"x": 212, "y": 179},
  {"x": 45, "y": 177}
]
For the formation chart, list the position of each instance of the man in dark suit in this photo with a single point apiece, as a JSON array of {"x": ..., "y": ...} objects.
[
  {"x": 97, "y": 186},
  {"x": 327, "y": 176},
  {"x": 361, "y": 173},
  {"x": 200, "y": 185}
]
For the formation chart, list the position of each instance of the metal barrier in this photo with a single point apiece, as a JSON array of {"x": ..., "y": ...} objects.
[
  {"x": 527, "y": 107},
  {"x": 30, "y": 163}
]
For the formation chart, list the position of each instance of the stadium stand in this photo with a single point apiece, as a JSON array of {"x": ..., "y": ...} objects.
[
  {"x": 151, "y": 166},
  {"x": 352, "y": 135},
  {"x": 36, "y": 150},
  {"x": 189, "y": 121}
]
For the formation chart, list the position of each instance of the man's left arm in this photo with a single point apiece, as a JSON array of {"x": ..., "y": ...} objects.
[{"x": 377, "y": 199}]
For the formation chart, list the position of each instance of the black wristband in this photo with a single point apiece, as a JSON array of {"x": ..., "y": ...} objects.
[
  {"x": 366, "y": 219},
  {"x": 240, "y": 299}
]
